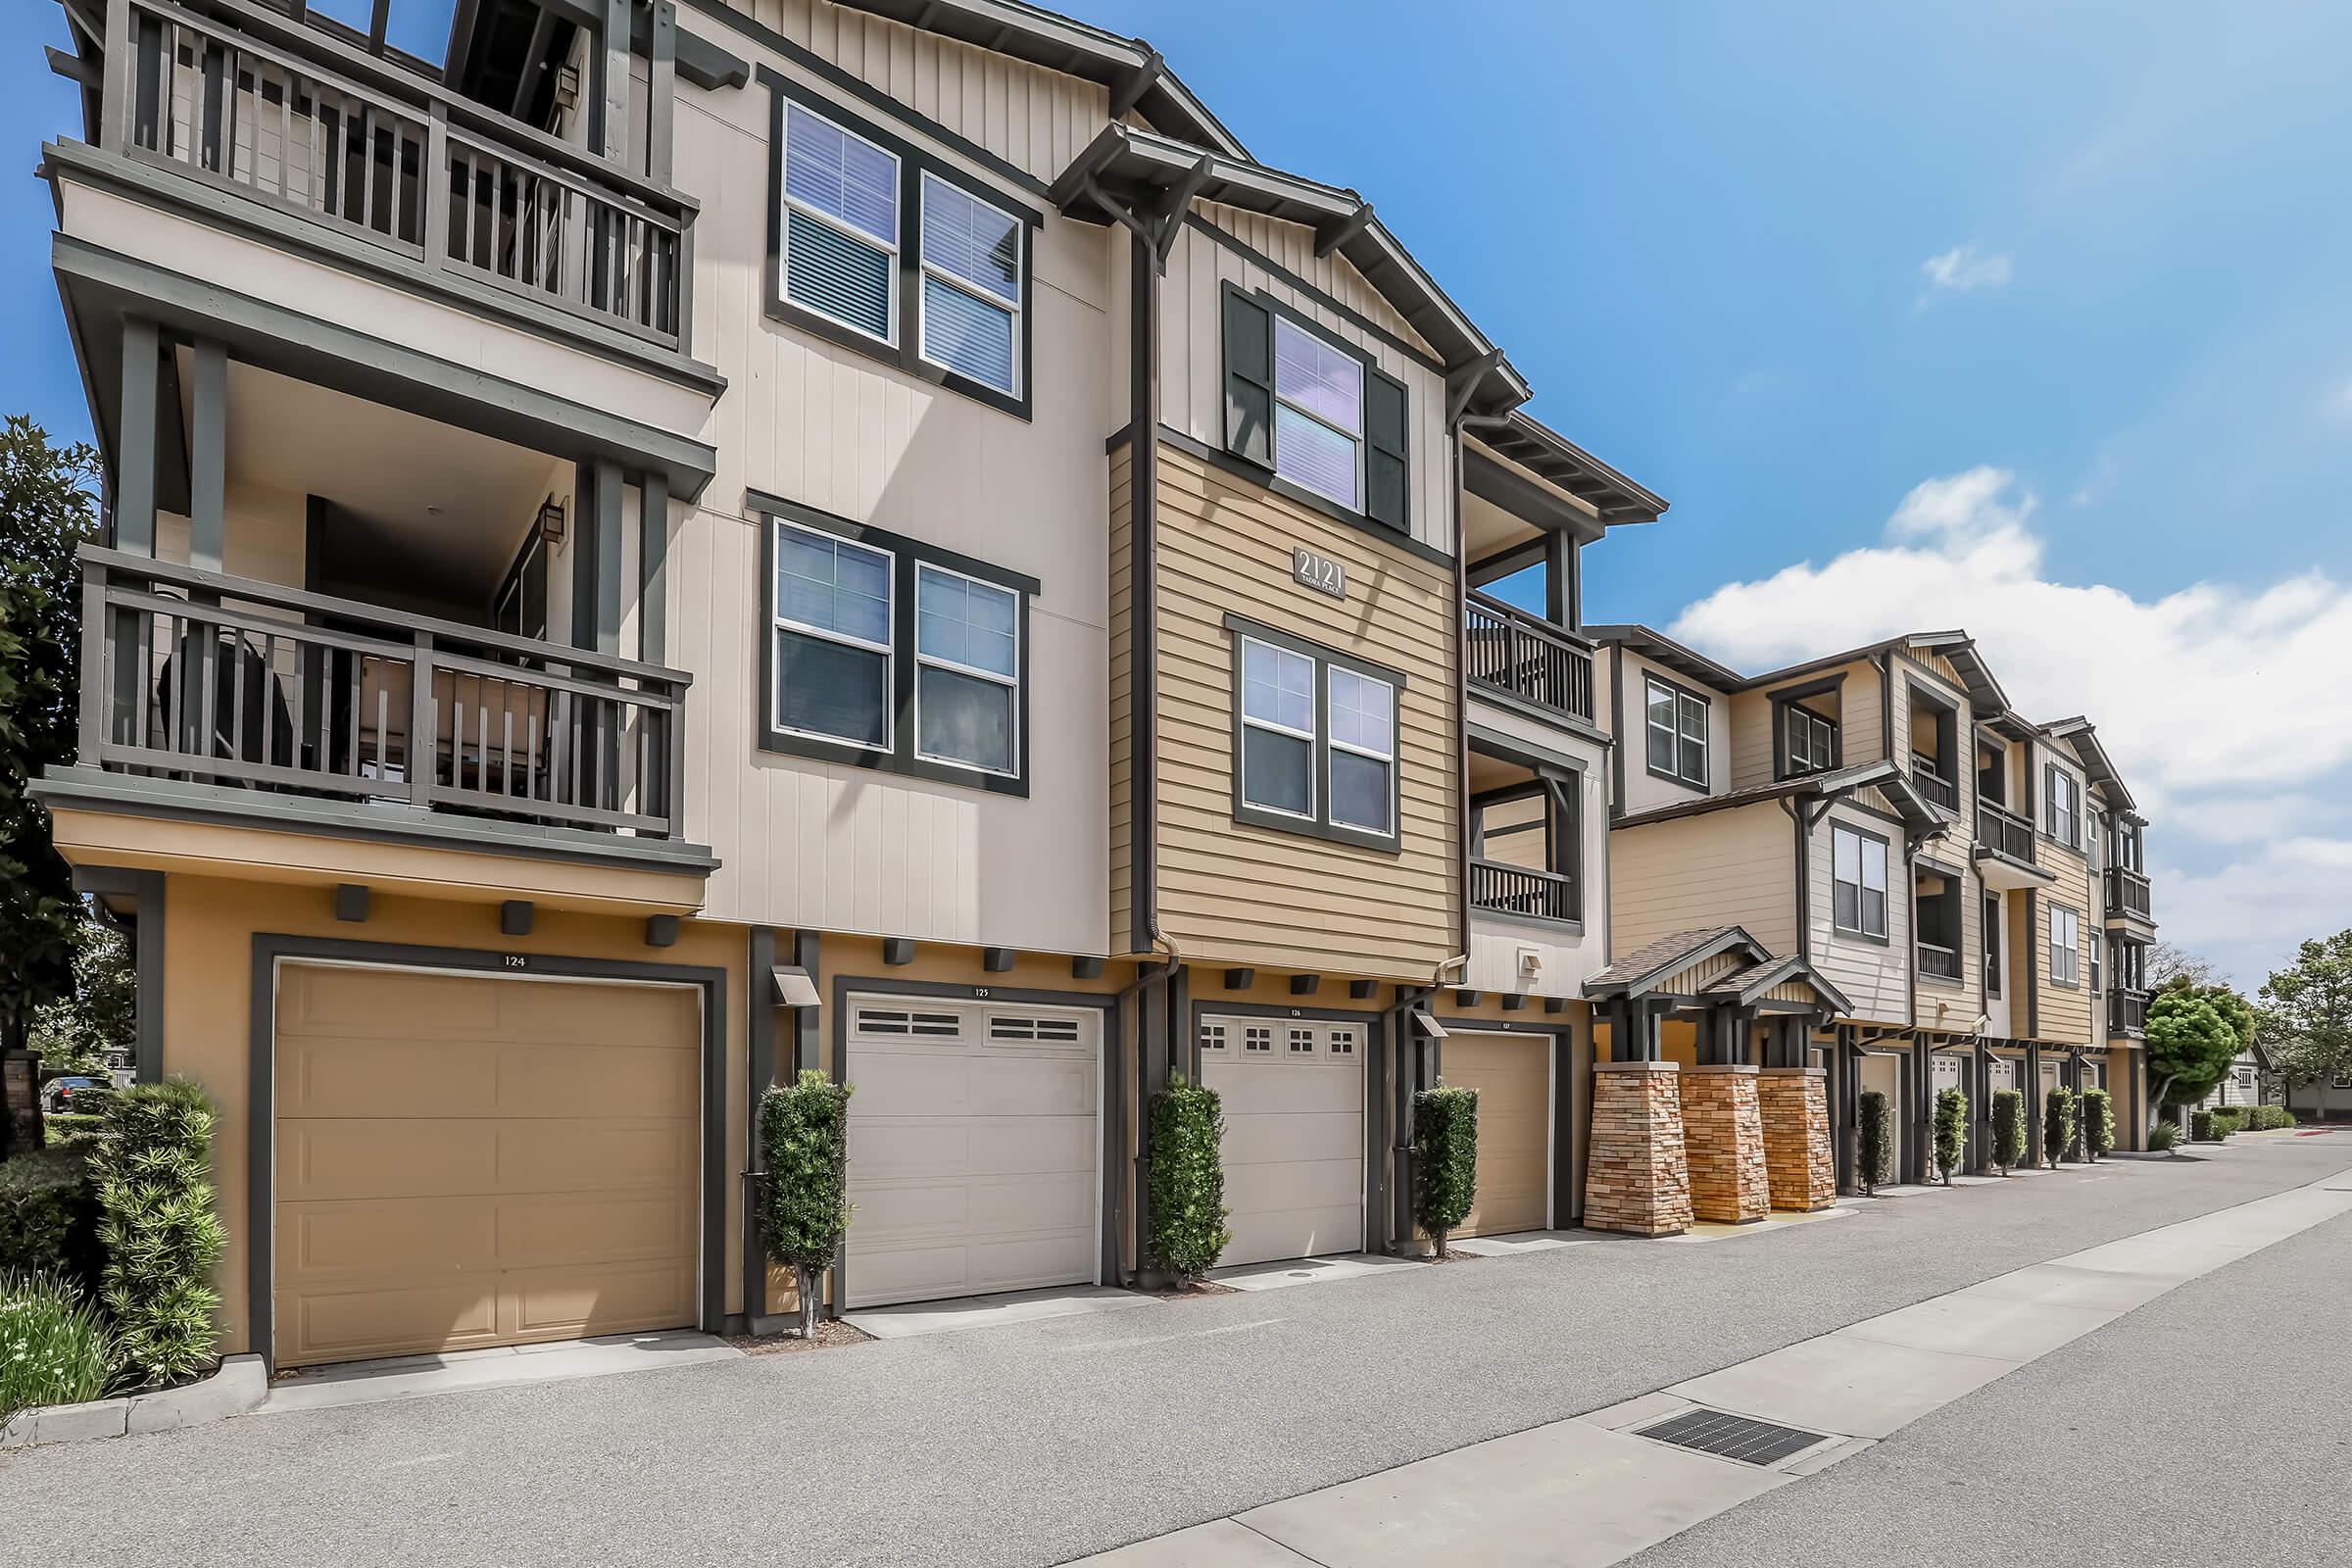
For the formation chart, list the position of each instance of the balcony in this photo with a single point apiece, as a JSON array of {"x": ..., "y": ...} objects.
[
  {"x": 2004, "y": 832},
  {"x": 1931, "y": 782},
  {"x": 2127, "y": 894},
  {"x": 384, "y": 163},
  {"x": 2126, "y": 1012},
  {"x": 1522, "y": 657},
  {"x": 194, "y": 677},
  {"x": 1516, "y": 890},
  {"x": 1938, "y": 962}
]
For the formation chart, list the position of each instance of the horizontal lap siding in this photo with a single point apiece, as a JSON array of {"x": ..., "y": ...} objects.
[
  {"x": 1247, "y": 894},
  {"x": 1876, "y": 977},
  {"x": 2064, "y": 1015},
  {"x": 1730, "y": 867}
]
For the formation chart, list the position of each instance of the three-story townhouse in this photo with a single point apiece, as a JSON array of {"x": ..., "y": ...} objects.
[{"x": 693, "y": 543}]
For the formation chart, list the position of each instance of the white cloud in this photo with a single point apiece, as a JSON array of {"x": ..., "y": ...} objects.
[
  {"x": 1962, "y": 269},
  {"x": 2227, "y": 710}
]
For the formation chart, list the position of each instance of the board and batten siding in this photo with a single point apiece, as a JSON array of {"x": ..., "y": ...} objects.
[
  {"x": 1875, "y": 976},
  {"x": 1245, "y": 895},
  {"x": 1192, "y": 341},
  {"x": 1735, "y": 866}
]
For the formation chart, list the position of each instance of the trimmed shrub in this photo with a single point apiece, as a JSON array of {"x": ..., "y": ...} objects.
[
  {"x": 2227, "y": 1119},
  {"x": 1445, "y": 1158},
  {"x": 2269, "y": 1119},
  {"x": 2164, "y": 1136},
  {"x": 2058, "y": 1125},
  {"x": 804, "y": 1193},
  {"x": 1951, "y": 1131},
  {"x": 2008, "y": 1129},
  {"x": 2098, "y": 1122},
  {"x": 54, "y": 1346},
  {"x": 2201, "y": 1127},
  {"x": 1877, "y": 1127},
  {"x": 49, "y": 1216},
  {"x": 160, "y": 1234},
  {"x": 68, "y": 1130},
  {"x": 1186, "y": 1161}
]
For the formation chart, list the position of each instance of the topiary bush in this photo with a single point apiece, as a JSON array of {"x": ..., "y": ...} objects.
[
  {"x": 2058, "y": 1124},
  {"x": 2099, "y": 1123},
  {"x": 1951, "y": 1131},
  {"x": 49, "y": 1215},
  {"x": 2008, "y": 1129},
  {"x": 1186, "y": 1161},
  {"x": 2200, "y": 1127},
  {"x": 2164, "y": 1136},
  {"x": 161, "y": 1235},
  {"x": 54, "y": 1346},
  {"x": 1877, "y": 1126},
  {"x": 1444, "y": 1159},
  {"x": 804, "y": 1193}
]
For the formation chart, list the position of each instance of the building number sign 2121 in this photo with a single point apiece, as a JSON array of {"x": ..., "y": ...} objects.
[{"x": 1319, "y": 573}]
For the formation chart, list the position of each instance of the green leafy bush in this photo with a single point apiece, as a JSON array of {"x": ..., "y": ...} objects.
[
  {"x": 1444, "y": 1159},
  {"x": 1187, "y": 1165},
  {"x": 804, "y": 1194},
  {"x": 2269, "y": 1119},
  {"x": 161, "y": 1235},
  {"x": 54, "y": 1346},
  {"x": 49, "y": 1215},
  {"x": 2164, "y": 1136},
  {"x": 2227, "y": 1119},
  {"x": 2008, "y": 1129},
  {"x": 2058, "y": 1125},
  {"x": 1951, "y": 1131},
  {"x": 1877, "y": 1126},
  {"x": 2201, "y": 1127},
  {"x": 2098, "y": 1122},
  {"x": 69, "y": 1129}
]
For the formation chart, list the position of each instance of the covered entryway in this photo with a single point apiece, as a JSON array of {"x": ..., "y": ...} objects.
[
  {"x": 465, "y": 1162},
  {"x": 975, "y": 1149},
  {"x": 1293, "y": 1091},
  {"x": 1884, "y": 1071},
  {"x": 1512, "y": 1074}
]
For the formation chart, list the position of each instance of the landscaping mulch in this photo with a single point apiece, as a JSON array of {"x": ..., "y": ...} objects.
[
  {"x": 831, "y": 1333},
  {"x": 1198, "y": 1289}
]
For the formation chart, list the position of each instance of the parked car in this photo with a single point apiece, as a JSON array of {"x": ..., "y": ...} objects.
[{"x": 57, "y": 1095}]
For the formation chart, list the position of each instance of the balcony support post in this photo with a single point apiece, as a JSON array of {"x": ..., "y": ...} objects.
[
  {"x": 611, "y": 125},
  {"x": 1559, "y": 565},
  {"x": 134, "y": 438},
  {"x": 653, "y": 567},
  {"x": 435, "y": 191},
  {"x": 661, "y": 91},
  {"x": 418, "y": 761},
  {"x": 208, "y": 456}
]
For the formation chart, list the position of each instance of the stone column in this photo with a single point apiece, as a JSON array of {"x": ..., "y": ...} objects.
[
  {"x": 1723, "y": 1140},
  {"x": 1636, "y": 1180},
  {"x": 1795, "y": 1103}
]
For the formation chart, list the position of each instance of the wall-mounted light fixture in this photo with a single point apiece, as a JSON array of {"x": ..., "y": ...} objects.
[
  {"x": 568, "y": 87},
  {"x": 551, "y": 521}
]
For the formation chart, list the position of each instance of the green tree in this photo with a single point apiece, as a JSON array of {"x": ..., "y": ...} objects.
[
  {"x": 1444, "y": 1159},
  {"x": 76, "y": 1033},
  {"x": 2306, "y": 1019},
  {"x": 2058, "y": 1125},
  {"x": 46, "y": 513},
  {"x": 2008, "y": 1128},
  {"x": 1951, "y": 1130},
  {"x": 805, "y": 1191},
  {"x": 2194, "y": 1034},
  {"x": 1876, "y": 1126},
  {"x": 1186, "y": 1172}
]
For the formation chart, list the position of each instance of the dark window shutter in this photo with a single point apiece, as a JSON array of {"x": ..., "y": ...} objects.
[
  {"x": 1248, "y": 379},
  {"x": 1385, "y": 469}
]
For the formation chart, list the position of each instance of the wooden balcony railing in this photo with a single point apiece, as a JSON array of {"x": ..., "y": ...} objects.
[
  {"x": 190, "y": 674},
  {"x": 1932, "y": 784},
  {"x": 1941, "y": 962},
  {"x": 2127, "y": 1011},
  {"x": 2127, "y": 892},
  {"x": 1517, "y": 889},
  {"x": 2004, "y": 832},
  {"x": 1514, "y": 652},
  {"x": 248, "y": 100}
]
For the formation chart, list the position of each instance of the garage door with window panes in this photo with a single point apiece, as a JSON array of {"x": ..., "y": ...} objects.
[
  {"x": 975, "y": 1147},
  {"x": 1950, "y": 1072},
  {"x": 1292, "y": 1092}
]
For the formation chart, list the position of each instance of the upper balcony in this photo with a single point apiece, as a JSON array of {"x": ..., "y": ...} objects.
[
  {"x": 2127, "y": 896},
  {"x": 2128, "y": 1012},
  {"x": 1525, "y": 658}
]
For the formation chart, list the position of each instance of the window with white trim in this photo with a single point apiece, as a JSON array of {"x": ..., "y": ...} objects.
[
  {"x": 1315, "y": 740},
  {"x": 2063, "y": 816},
  {"x": 1278, "y": 729},
  {"x": 2065, "y": 945},
  {"x": 1212, "y": 1038},
  {"x": 1811, "y": 741},
  {"x": 968, "y": 654},
  {"x": 1342, "y": 1043},
  {"x": 1303, "y": 1042},
  {"x": 971, "y": 258},
  {"x": 1318, "y": 415},
  {"x": 1857, "y": 882},
  {"x": 838, "y": 247},
  {"x": 1676, "y": 742},
  {"x": 831, "y": 613},
  {"x": 1363, "y": 750},
  {"x": 1257, "y": 1040}
]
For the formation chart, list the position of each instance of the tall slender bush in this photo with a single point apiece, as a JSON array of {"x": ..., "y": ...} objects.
[
  {"x": 1444, "y": 1159},
  {"x": 54, "y": 1346},
  {"x": 805, "y": 1191},
  {"x": 1877, "y": 1126},
  {"x": 162, "y": 1235},
  {"x": 2099, "y": 1123},
  {"x": 2008, "y": 1129},
  {"x": 1187, "y": 1181},
  {"x": 1951, "y": 1131},
  {"x": 2057, "y": 1124}
]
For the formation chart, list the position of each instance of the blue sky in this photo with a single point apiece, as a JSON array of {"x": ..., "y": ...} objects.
[{"x": 2079, "y": 271}]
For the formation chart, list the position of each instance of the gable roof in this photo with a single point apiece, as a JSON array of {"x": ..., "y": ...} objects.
[
  {"x": 1883, "y": 775},
  {"x": 2083, "y": 736},
  {"x": 1660, "y": 649},
  {"x": 1754, "y": 971},
  {"x": 1744, "y": 986}
]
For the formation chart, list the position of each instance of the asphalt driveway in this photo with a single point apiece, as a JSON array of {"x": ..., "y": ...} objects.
[{"x": 1037, "y": 1443}]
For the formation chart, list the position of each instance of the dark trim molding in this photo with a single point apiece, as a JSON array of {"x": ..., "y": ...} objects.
[
  {"x": 144, "y": 891},
  {"x": 1705, "y": 786},
  {"x": 1225, "y": 462},
  {"x": 1143, "y": 613},
  {"x": 1322, "y": 826},
  {"x": 1274, "y": 268},
  {"x": 261, "y": 1105}
]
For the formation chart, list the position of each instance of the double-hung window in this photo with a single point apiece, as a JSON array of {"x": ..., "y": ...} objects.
[
  {"x": 2065, "y": 945},
  {"x": 971, "y": 286},
  {"x": 839, "y": 229},
  {"x": 1315, "y": 414},
  {"x": 832, "y": 663},
  {"x": 1858, "y": 882},
  {"x": 1315, "y": 740},
  {"x": 968, "y": 655},
  {"x": 1677, "y": 738},
  {"x": 1318, "y": 415},
  {"x": 2063, "y": 815},
  {"x": 1812, "y": 741}
]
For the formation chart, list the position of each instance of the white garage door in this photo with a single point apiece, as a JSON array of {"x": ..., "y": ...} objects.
[
  {"x": 1951, "y": 1072},
  {"x": 1292, "y": 1091},
  {"x": 975, "y": 1149},
  {"x": 2004, "y": 1073}
]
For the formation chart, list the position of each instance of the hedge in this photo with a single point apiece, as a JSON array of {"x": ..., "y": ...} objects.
[
  {"x": 2058, "y": 1125},
  {"x": 2201, "y": 1127},
  {"x": 1185, "y": 1161},
  {"x": 1877, "y": 1142},
  {"x": 49, "y": 1215},
  {"x": 1951, "y": 1131},
  {"x": 161, "y": 1237},
  {"x": 804, "y": 1187},
  {"x": 1444, "y": 1159},
  {"x": 2269, "y": 1119},
  {"x": 2098, "y": 1122},
  {"x": 66, "y": 1128},
  {"x": 2008, "y": 1129},
  {"x": 2227, "y": 1119}
]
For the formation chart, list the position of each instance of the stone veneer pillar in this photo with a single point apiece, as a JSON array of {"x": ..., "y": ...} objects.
[
  {"x": 1723, "y": 1142},
  {"x": 1795, "y": 1103},
  {"x": 1636, "y": 1180}
]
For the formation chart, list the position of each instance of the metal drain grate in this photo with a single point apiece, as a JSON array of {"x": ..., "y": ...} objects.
[{"x": 1732, "y": 1436}]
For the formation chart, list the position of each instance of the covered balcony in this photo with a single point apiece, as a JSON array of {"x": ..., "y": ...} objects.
[
  {"x": 1941, "y": 935},
  {"x": 2127, "y": 894},
  {"x": 1935, "y": 748}
]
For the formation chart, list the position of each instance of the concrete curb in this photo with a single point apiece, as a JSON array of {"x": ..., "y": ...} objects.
[{"x": 239, "y": 1386}]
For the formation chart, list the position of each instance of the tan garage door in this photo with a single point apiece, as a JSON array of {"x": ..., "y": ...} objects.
[
  {"x": 465, "y": 1162},
  {"x": 1512, "y": 1074}
]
